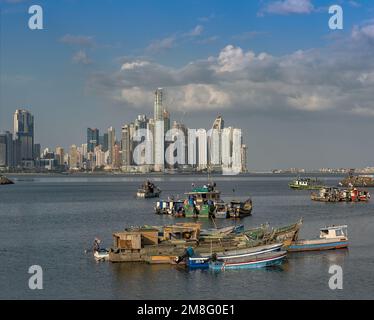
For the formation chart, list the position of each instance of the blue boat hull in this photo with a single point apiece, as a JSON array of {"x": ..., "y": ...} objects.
[
  {"x": 318, "y": 247},
  {"x": 219, "y": 266}
]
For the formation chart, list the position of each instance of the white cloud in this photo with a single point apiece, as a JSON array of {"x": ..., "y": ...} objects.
[
  {"x": 198, "y": 30},
  {"x": 162, "y": 44},
  {"x": 332, "y": 80},
  {"x": 289, "y": 7},
  {"x": 81, "y": 57},
  {"x": 78, "y": 40},
  {"x": 134, "y": 64}
]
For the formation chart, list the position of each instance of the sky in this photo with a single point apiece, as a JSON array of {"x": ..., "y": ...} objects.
[{"x": 301, "y": 92}]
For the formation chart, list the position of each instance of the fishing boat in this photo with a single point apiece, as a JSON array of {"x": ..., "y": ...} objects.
[
  {"x": 356, "y": 181},
  {"x": 327, "y": 194},
  {"x": 148, "y": 190},
  {"x": 333, "y": 194},
  {"x": 332, "y": 237},
  {"x": 221, "y": 210},
  {"x": 101, "y": 255},
  {"x": 240, "y": 209},
  {"x": 170, "y": 207},
  {"x": 200, "y": 201},
  {"x": 306, "y": 184},
  {"x": 222, "y": 231},
  {"x": 195, "y": 261},
  {"x": 257, "y": 261},
  {"x": 4, "y": 180}
]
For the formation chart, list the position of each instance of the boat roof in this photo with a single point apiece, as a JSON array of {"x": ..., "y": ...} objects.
[{"x": 334, "y": 227}]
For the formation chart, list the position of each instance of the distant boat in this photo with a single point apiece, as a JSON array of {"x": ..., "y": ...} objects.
[
  {"x": 358, "y": 181},
  {"x": 333, "y": 194},
  {"x": 4, "y": 180},
  {"x": 306, "y": 184},
  {"x": 148, "y": 190},
  {"x": 101, "y": 255},
  {"x": 239, "y": 209},
  {"x": 258, "y": 261},
  {"x": 333, "y": 237}
]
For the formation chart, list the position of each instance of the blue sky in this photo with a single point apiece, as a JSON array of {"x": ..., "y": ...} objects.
[{"x": 273, "y": 68}]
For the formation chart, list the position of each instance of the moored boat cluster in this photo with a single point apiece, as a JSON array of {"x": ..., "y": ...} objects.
[{"x": 231, "y": 247}]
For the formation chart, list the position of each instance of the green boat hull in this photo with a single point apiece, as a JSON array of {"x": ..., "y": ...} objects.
[{"x": 299, "y": 187}]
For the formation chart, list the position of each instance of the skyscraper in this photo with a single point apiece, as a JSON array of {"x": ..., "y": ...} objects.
[
  {"x": 73, "y": 157},
  {"x": 125, "y": 144},
  {"x": 92, "y": 139},
  {"x": 159, "y": 146},
  {"x": 23, "y": 130},
  {"x": 202, "y": 152},
  {"x": 6, "y": 149},
  {"x": 103, "y": 141},
  {"x": 3, "y": 151},
  {"x": 59, "y": 153},
  {"x": 158, "y": 104},
  {"x": 159, "y": 131},
  {"x": 111, "y": 143},
  {"x": 236, "y": 150},
  {"x": 244, "y": 158},
  {"x": 226, "y": 146}
]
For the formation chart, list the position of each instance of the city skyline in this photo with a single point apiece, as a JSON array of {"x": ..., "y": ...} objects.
[
  {"x": 302, "y": 100},
  {"x": 147, "y": 144}
]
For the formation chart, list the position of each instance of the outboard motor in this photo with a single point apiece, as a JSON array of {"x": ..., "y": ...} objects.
[{"x": 187, "y": 253}]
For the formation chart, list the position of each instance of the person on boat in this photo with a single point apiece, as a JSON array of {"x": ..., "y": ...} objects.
[{"x": 96, "y": 245}]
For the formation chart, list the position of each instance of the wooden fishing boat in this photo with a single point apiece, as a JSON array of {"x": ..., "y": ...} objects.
[
  {"x": 4, "y": 180},
  {"x": 222, "y": 231},
  {"x": 170, "y": 207},
  {"x": 306, "y": 184},
  {"x": 356, "y": 181},
  {"x": 333, "y": 194},
  {"x": 148, "y": 190},
  {"x": 286, "y": 234},
  {"x": 333, "y": 237},
  {"x": 240, "y": 209},
  {"x": 327, "y": 194},
  {"x": 195, "y": 261},
  {"x": 257, "y": 261},
  {"x": 221, "y": 210},
  {"x": 200, "y": 201}
]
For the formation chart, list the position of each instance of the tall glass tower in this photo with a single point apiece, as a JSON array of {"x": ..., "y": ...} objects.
[{"x": 23, "y": 129}]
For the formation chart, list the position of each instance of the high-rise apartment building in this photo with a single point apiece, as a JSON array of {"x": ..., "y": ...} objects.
[
  {"x": 6, "y": 149},
  {"x": 92, "y": 139},
  {"x": 60, "y": 154},
  {"x": 23, "y": 130},
  {"x": 158, "y": 104},
  {"x": 111, "y": 143}
]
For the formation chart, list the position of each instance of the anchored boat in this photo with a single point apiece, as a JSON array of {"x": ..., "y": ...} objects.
[
  {"x": 4, "y": 180},
  {"x": 333, "y": 237},
  {"x": 257, "y": 261},
  {"x": 148, "y": 190},
  {"x": 358, "y": 181},
  {"x": 333, "y": 194},
  {"x": 306, "y": 184},
  {"x": 201, "y": 261},
  {"x": 238, "y": 209}
]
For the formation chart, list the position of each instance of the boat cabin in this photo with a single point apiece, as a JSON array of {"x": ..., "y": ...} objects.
[
  {"x": 203, "y": 194},
  {"x": 135, "y": 239},
  {"x": 333, "y": 232},
  {"x": 182, "y": 231}
]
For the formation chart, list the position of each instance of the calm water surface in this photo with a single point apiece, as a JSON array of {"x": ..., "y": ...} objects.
[{"x": 50, "y": 221}]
